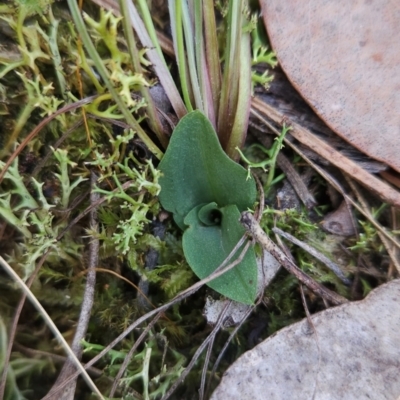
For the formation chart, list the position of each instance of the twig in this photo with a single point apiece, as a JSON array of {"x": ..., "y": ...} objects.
[
  {"x": 87, "y": 303},
  {"x": 97, "y": 373},
  {"x": 50, "y": 324},
  {"x": 220, "y": 321},
  {"x": 315, "y": 253},
  {"x": 389, "y": 246},
  {"x": 14, "y": 325},
  {"x": 198, "y": 352},
  {"x": 296, "y": 181},
  {"x": 254, "y": 228},
  {"x": 38, "y": 128},
  {"x": 205, "y": 367},
  {"x": 259, "y": 212},
  {"x": 128, "y": 357},
  {"x": 110, "y": 271},
  {"x": 229, "y": 256},
  {"x": 222, "y": 352},
  {"x": 92, "y": 207},
  {"x": 56, "y": 145}
]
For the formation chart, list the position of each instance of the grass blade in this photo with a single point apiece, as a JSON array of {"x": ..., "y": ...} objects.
[
  {"x": 80, "y": 26},
  {"x": 158, "y": 62}
]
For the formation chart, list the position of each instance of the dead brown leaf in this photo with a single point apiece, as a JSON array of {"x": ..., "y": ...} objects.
[{"x": 343, "y": 57}]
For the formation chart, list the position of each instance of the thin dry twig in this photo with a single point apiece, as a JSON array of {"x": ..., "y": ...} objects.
[
  {"x": 389, "y": 246},
  {"x": 296, "y": 181},
  {"x": 252, "y": 226},
  {"x": 110, "y": 271},
  {"x": 92, "y": 207},
  {"x": 222, "y": 352},
  {"x": 204, "y": 369},
  {"x": 87, "y": 303},
  {"x": 220, "y": 322},
  {"x": 14, "y": 325},
  {"x": 38, "y": 128},
  {"x": 129, "y": 356},
  {"x": 261, "y": 202},
  {"x": 57, "y": 358},
  {"x": 229, "y": 256},
  {"x": 50, "y": 324},
  {"x": 56, "y": 145},
  {"x": 198, "y": 352},
  {"x": 315, "y": 253}
]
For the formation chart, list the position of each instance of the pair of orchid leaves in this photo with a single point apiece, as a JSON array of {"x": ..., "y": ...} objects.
[{"x": 206, "y": 192}]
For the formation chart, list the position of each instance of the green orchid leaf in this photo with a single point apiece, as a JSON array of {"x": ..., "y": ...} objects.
[
  {"x": 212, "y": 234},
  {"x": 196, "y": 171},
  {"x": 210, "y": 214},
  {"x": 206, "y": 192}
]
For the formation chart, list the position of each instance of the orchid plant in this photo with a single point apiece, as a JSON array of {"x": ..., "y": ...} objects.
[
  {"x": 202, "y": 185},
  {"x": 206, "y": 191}
]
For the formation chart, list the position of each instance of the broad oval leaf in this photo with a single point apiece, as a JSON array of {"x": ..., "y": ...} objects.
[
  {"x": 197, "y": 171},
  {"x": 207, "y": 246}
]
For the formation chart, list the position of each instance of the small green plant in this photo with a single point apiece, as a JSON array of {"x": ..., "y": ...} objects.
[
  {"x": 33, "y": 217},
  {"x": 272, "y": 154},
  {"x": 206, "y": 191}
]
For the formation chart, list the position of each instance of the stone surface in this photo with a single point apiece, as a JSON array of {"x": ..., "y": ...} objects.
[{"x": 354, "y": 354}]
